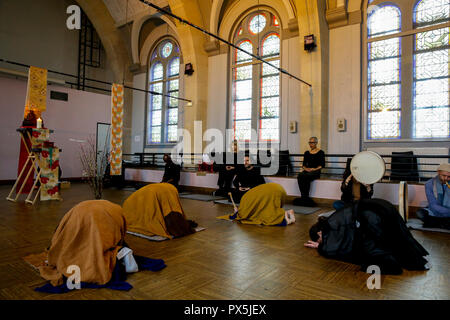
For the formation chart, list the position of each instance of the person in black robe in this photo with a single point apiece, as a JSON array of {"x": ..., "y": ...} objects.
[
  {"x": 171, "y": 171},
  {"x": 247, "y": 177},
  {"x": 352, "y": 190},
  {"x": 313, "y": 162},
  {"x": 227, "y": 170},
  {"x": 371, "y": 232}
]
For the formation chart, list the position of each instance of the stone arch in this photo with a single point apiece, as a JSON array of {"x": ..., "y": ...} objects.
[
  {"x": 284, "y": 9},
  {"x": 240, "y": 8},
  {"x": 151, "y": 41},
  {"x": 111, "y": 38},
  {"x": 136, "y": 29}
]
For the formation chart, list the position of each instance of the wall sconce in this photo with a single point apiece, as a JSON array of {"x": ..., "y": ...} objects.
[
  {"x": 310, "y": 43},
  {"x": 293, "y": 126}
]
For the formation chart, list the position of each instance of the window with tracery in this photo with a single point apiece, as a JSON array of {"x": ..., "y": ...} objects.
[
  {"x": 383, "y": 83},
  {"x": 164, "y": 78},
  {"x": 407, "y": 69},
  {"x": 431, "y": 70},
  {"x": 256, "y": 85}
]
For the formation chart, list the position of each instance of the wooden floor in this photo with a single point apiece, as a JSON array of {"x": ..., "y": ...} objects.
[{"x": 226, "y": 261}]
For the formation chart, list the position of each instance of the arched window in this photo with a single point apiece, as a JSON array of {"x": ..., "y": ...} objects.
[
  {"x": 255, "y": 85},
  {"x": 383, "y": 75},
  {"x": 164, "y": 77},
  {"x": 431, "y": 70},
  {"x": 407, "y": 77}
]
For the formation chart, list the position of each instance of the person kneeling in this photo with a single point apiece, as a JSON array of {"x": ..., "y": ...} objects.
[
  {"x": 370, "y": 232},
  {"x": 264, "y": 205},
  {"x": 352, "y": 189},
  {"x": 90, "y": 239},
  {"x": 155, "y": 210}
]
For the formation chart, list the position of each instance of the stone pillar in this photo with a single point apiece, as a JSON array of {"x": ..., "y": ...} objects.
[
  {"x": 192, "y": 43},
  {"x": 313, "y": 102}
]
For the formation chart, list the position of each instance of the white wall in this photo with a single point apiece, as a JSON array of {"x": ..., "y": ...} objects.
[
  {"x": 75, "y": 119},
  {"x": 344, "y": 88},
  {"x": 217, "y": 92},
  {"x": 290, "y": 95},
  {"x": 138, "y": 114}
]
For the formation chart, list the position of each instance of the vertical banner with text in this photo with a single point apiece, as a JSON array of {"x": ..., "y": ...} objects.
[
  {"x": 115, "y": 159},
  {"x": 36, "y": 99}
]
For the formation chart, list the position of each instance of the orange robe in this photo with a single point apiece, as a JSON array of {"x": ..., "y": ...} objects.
[
  {"x": 146, "y": 208},
  {"x": 88, "y": 236}
]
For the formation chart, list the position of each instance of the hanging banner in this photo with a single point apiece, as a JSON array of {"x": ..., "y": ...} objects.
[
  {"x": 49, "y": 165},
  {"x": 115, "y": 158},
  {"x": 36, "y": 99}
]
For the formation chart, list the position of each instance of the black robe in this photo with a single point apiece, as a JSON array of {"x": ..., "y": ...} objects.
[
  {"x": 172, "y": 172},
  {"x": 372, "y": 232},
  {"x": 246, "y": 179}
]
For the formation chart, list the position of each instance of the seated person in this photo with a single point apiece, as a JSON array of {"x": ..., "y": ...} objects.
[
  {"x": 91, "y": 236},
  {"x": 352, "y": 190},
  {"x": 155, "y": 210},
  {"x": 227, "y": 171},
  {"x": 264, "y": 205},
  {"x": 313, "y": 162},
  {"x": 247, "y": 177},
  {"x": 171, "y": 171},
  {"x": 370, "y": 232},
  {"x": 437, "y": 190}
]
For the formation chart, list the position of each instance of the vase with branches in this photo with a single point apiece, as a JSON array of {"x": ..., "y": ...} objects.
[{"x": 94, "y": 163}]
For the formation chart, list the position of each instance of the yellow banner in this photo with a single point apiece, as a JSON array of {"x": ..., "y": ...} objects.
[
  {"x": 115, "y": 158},
  {"x": 36, "y": 99}
]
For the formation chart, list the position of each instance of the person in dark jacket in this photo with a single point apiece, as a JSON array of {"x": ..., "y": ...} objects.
[
  {"x": 370, "y": 232},
  {"x": 352, "y": 189},
  {"x": 313, "y": 162},
  {"x": 227, "y": 170},
  {"x": 171, "y": 171},
  {"x": 247, "y": 177}
]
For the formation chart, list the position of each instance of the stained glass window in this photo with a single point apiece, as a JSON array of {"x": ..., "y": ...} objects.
[
  {"x": 256, "y": 85},
  {"x": 242, "y": 56},
  {"x": 431, "y": 110},
  {"x": 166, "y": 49},
  {"x": 162, "y": 118},
  {"x": 257, "y": 23},
  {"x": 174, "y": 68},
  {"x": 158, "y": 71},
  {"x": 275, "y": 22},
  {"x": 408, "y": 77},
  {"x": 383, "y": 76},
  {"x": 271, "y": 45}
]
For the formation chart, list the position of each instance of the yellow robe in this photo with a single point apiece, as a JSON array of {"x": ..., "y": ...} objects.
[
  {"x": 146, "y": 208},
  {"x": 88, "y": 236},
  {"x": 263, "y": 205}
]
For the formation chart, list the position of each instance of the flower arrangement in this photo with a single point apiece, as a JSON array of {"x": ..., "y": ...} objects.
[{"x": 94, "y": 165}]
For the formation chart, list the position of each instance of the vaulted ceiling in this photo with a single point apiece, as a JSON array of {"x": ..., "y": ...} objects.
[{"x": 122, "y": 10}]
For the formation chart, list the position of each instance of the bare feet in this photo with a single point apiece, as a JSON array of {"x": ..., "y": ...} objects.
[{"x": 289, "y": 216}]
